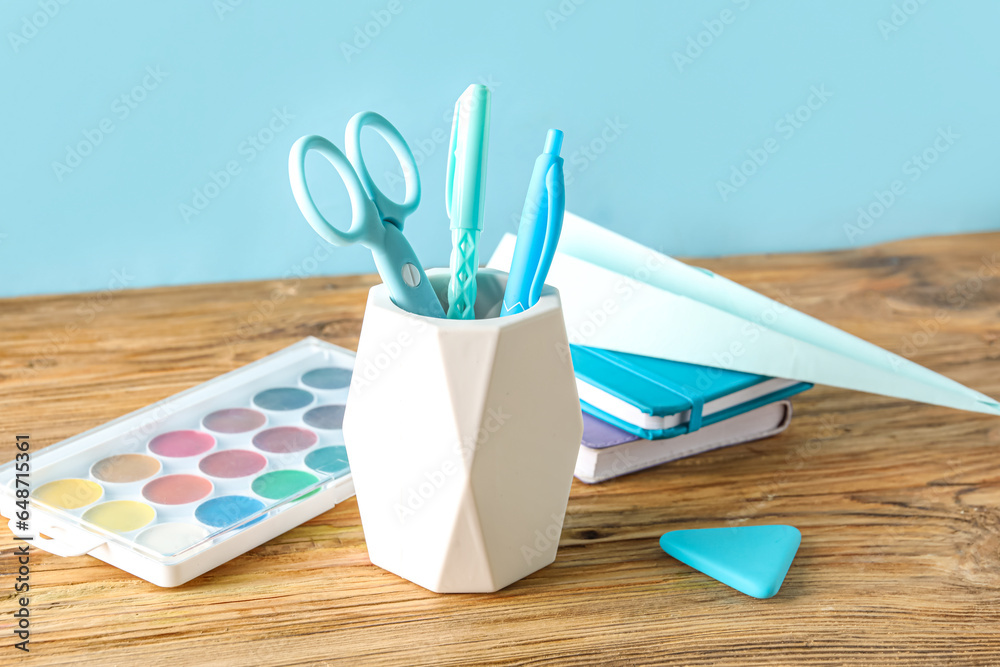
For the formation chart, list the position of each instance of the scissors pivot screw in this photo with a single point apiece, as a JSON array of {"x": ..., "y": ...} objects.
[{"x": 411, "y": 276}]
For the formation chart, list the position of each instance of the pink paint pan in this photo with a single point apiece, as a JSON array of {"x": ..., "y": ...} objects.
[{"x": 181, "y": 444}]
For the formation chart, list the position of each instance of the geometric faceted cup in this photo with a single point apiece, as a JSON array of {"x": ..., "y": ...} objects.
[{"x": 463, "y": 437}]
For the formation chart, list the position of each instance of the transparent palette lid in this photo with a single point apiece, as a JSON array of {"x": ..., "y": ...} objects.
[{"x": 194, "y": 470}]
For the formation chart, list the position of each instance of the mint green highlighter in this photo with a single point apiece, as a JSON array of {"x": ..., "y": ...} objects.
[{"x": 465, "y": 195}]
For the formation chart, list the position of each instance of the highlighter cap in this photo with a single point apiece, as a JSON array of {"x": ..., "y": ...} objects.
[{"x": 465, "y": 183}]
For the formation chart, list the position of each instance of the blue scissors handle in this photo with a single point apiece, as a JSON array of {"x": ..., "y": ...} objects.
[
  {"x": 376, "y": 220},
  {"x": 394, "y": 212},
  {"x": 364, "y": 212}
]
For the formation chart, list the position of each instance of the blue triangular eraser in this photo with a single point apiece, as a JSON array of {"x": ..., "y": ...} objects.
[{"x": 751, "y": 559}]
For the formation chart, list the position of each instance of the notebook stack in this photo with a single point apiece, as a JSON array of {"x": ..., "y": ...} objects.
[{"x": 643, "y": 411}]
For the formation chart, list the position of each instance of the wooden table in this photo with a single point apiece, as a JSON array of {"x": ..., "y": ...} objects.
[{"x": 897, "y": 502}]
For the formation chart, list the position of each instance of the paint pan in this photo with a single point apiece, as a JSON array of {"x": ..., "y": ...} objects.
[
  {"x": 120, "y": 516},
  {"x": 326, "y": 417},
  {"x": 179, "y": 489},
  {"x": 232, "y": 464},
  {"x": 125, "y": 468},
  {"x": 328, "y": 378},
  {"x": 171, "y": 538},
  {"x": 282, "y": 399},
  {"x": 69, "y": 494},
  {"x": 329, "y": 460},
  {"x": 285, "y": 439},
  {"x": 181, "y": 444},
  {"x": 234, "y": 420}
]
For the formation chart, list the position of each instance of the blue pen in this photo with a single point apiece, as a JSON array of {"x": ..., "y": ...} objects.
[{"x": 538, "y": 232}]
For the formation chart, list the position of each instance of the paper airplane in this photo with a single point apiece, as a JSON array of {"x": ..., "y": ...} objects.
[{"x": 620, "y": 295}]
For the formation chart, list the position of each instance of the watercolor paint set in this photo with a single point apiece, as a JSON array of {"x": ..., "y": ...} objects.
[{"x": 177, "y": 488}]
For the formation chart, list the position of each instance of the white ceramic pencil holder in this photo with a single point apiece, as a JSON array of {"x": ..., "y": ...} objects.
[{"x": 462, "y": 437}]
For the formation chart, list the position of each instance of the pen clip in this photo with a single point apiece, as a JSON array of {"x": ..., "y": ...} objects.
[
  {"x": 555, "y": 205},
  {"x": 449, "y": 183}
]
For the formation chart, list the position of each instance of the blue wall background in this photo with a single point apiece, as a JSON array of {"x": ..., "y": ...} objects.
[{"x": 887, "y": 106}]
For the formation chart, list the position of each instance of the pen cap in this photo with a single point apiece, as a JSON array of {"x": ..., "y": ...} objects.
[
  {"x": 553, "y": 142},
  {"x": 465, "y": 185}
]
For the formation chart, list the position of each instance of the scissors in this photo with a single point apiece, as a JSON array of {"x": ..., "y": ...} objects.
[{"x": 377, "y": 221}]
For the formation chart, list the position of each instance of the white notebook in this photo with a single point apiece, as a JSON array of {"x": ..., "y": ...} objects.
[{"x": 607, "y": 451}]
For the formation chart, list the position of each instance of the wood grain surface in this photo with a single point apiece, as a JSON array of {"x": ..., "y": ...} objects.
[{"x": 897, "y": 502}]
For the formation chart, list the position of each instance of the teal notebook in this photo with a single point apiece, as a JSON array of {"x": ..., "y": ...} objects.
[{"x": 657, "y": 398}]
